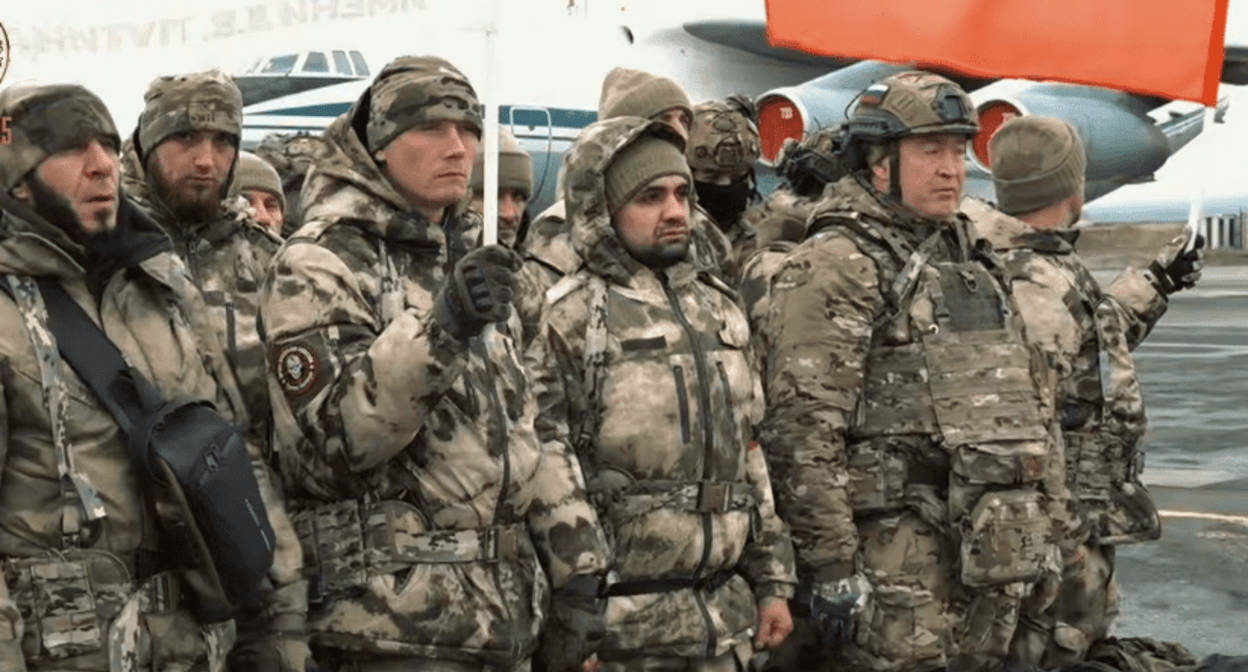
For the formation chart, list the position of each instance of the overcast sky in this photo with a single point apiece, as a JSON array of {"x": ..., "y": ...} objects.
[{"x": 102, "y": 50}]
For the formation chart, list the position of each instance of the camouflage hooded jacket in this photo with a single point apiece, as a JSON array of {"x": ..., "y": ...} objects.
[
  {"x": 227, "y": 259},
  {"x": 374, "y": 405},
  {"x": 146, "y": 304},
  {"x": 1087, "y": 337},
  {"x": 668, "y": 422},
  {"x": 845, "y": 356},
  {"x": 549, "y": 255}
]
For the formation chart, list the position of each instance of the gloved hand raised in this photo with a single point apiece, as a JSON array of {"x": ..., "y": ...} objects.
[
  {"x": 1176, "y": 269},
  {"x": 478, "y": 292}
]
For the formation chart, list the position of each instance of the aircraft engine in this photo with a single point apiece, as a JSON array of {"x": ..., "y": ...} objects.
[
  {"x": 1121, "y": 141},
  {"x": 793, "y": 111}
]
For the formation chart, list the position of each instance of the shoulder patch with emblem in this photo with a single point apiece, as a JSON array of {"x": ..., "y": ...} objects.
[{"x": 297, "y": 367}]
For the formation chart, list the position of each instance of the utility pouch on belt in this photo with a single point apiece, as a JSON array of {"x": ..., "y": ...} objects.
[
  {"x": 192, "y": 458},
  {"x": 67, "y": 601},
  {"x": 1006, "y": 538}
]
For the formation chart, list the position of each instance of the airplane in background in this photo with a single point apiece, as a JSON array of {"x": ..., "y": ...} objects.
[{"x": 549, "y": 85}]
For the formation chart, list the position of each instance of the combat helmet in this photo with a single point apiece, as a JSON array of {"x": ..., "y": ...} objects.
[
  {"x": 724, "y": 137},
  {"x": 809, "y": 164},
  {"x": 907, "y": 104}
]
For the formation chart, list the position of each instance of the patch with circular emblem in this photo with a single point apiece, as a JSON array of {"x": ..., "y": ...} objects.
[{"x": 296, "y": 368}]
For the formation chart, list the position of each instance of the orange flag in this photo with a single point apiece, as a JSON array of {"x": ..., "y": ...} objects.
[{"x": 1167, "y": 48}]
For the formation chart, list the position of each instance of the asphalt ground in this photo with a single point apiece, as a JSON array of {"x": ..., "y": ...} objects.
[{"x": 1191, "y": 586}]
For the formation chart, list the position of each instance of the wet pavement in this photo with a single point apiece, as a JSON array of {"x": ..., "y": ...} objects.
[{"x": 1191, "y": 586}]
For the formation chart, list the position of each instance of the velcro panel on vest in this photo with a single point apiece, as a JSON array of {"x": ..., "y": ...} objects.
[
  {"x": 1006, "y": 539},
  {"x": 345, "y": 546},
  {"x": 67, "y": 602},
  {"x": 896, "y": 398},
  {"x": 982, "y": 389}
]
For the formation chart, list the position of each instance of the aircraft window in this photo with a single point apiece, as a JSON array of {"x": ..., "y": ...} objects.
[
  {"x": 316, "y": 62},
  {"x": 341, "y": 64},
  {"x": 280, "y": 64},
  {"x": 361, "y": 68}
]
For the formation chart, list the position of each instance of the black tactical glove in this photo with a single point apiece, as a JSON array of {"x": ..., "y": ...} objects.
[
  {"x": 1177, "y": 269},
  {"x": 576, "y": 625},
  {"x": 478, "y": 292},
  {"x": 832, "y": 607}
]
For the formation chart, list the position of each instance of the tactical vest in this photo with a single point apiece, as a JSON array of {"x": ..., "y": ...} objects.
[
  {"x": 1102, "y": 414},
  {"x": 76, "y": 601},
  {"x": 949, "y": 369},
  {"x": 616, "y": 494}
]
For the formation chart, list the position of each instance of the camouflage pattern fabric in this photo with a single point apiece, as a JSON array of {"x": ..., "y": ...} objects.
[
  {"x": 292, "y": 156},
  {"x": 549, "y": 255},
  {"x": 687, "y": 376},
  {"x": 1085, "y": 336},
  {"x": 155, "y": 316},
  {"x": 782, "y": 217},
  {"x": 227, "y": 259},
  {"x": 882, "y": 316},
  {"x": 47, "y": 119},
  {"x": 373, "y": 401},
  {"x": 413, "y": 90},
  {"x": 200, "y": 101}
]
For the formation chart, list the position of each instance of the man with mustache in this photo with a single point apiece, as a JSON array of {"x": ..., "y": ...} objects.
[
  {"x": 642, "y": 364},
  {"x": 185, "y": 154},
  {"x": 435, "y": 523},
  {"x": 90, "y": 576},
  {"x": 909, "y": 424}
]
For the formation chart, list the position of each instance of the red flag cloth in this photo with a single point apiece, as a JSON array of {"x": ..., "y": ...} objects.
[{"x": 1167, "y": 48}]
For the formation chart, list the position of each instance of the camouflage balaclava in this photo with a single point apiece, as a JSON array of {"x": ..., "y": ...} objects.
[
  {"x": 413, "y": 90},
  {"x": 1036, "y": 162},
  {"x": 201, "y": 101},
  {"x": 515, "y": 166},
  {"x": 45, "y": 120},
  {"x": 633, "y": 93}
]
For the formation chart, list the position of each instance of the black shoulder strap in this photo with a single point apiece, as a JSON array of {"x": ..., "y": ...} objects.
[{"x": 127, "y": 395}]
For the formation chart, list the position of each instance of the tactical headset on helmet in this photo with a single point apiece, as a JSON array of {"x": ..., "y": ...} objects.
[
  {"x": 905, "y": 104},
  {"x": 810, "y": 164}
]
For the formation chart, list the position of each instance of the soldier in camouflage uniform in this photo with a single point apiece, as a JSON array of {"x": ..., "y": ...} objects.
[
  {"x": 427, "y": 505},
  {"x": 1087, "y": 336},
  {"x": 723, "y": 148},
  {"x": 909, "y": 426},
  {"x": 642, "y": 362},
  {"x": 515, "y": 187},
  {"x": 90, "y": 584},
  {"x": 548, "y": 253},
  {"x": 186, "y": 153},
  {"x": 186, "y": 149}
]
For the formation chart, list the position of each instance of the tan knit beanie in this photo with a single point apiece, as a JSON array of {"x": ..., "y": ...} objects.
[
  {"x": 515, "y": 166},
  {"x": 1036, "y": 162},
  {"x": 254, "y": 172},
  {"x": 632, "y": 93},
  {"x": 639, "y": 164}
]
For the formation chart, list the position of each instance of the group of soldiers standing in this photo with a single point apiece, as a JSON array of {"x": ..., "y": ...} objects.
[{"x": 662, "y": 426}]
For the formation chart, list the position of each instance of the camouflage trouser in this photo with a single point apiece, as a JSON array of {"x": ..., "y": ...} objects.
[
  {"x": 733, "y": 661},
  {"x": 919, "y": 615},
  {"x": 349, "y": 662},
  {"x": 1059, "y": 628}
]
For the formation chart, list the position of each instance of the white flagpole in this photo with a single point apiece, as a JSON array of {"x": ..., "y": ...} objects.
[{"x": 489, "y": 100}]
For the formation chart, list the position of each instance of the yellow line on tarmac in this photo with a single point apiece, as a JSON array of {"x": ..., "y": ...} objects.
[{"x": 1238, "y": 520}]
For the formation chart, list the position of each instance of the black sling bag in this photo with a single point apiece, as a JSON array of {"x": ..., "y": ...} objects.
[{"x": 191, "y": 457}]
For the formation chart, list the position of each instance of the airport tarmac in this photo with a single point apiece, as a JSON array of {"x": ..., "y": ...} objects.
[{"x": 1191, "y": 586}]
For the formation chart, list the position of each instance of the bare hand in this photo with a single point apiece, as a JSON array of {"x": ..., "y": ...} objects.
[
  {"x": 591, "y": 664},
  {"x": 774, "y": 623}
]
